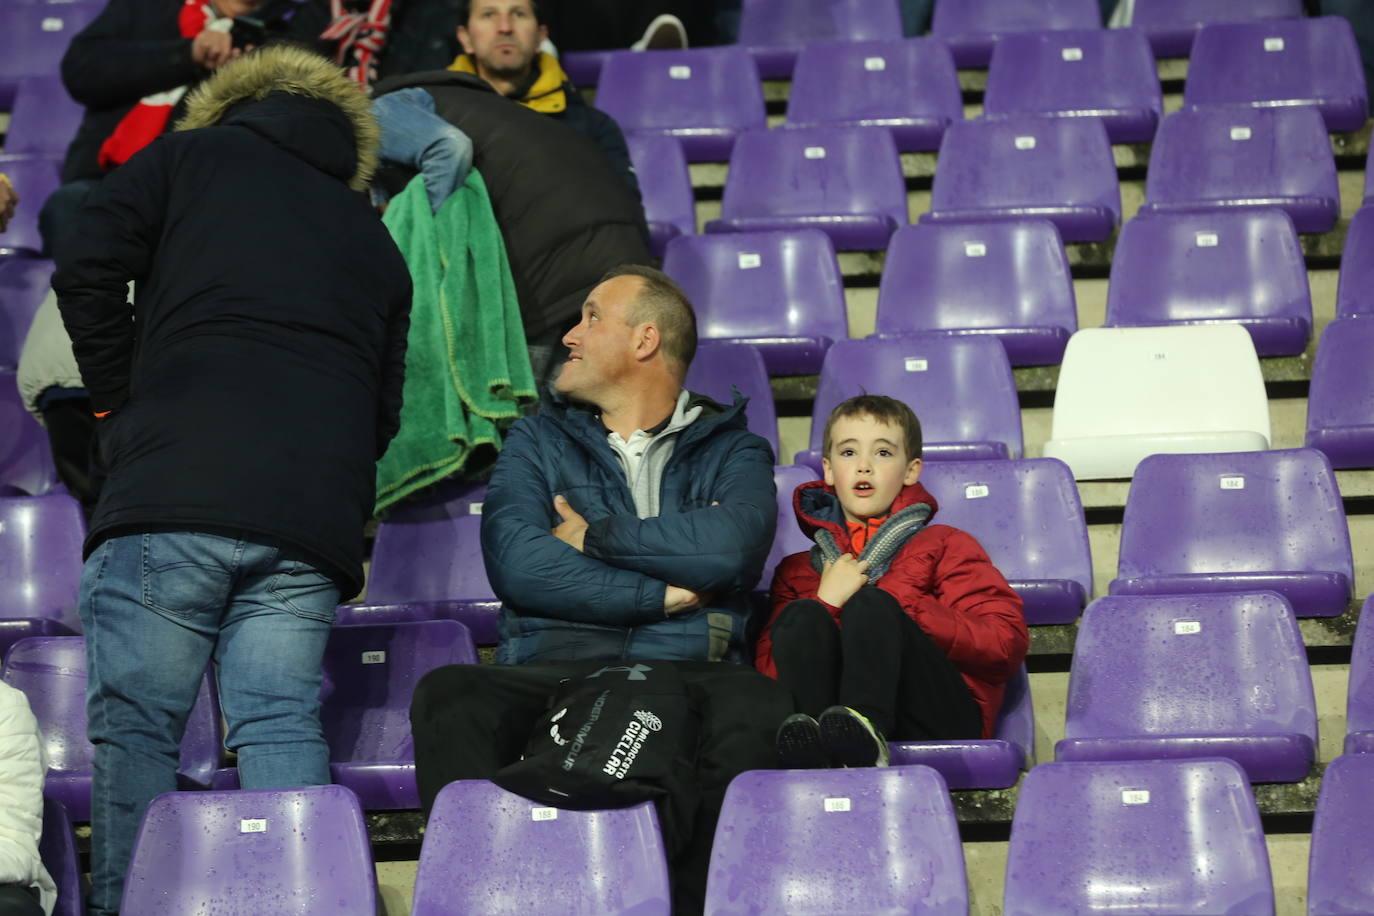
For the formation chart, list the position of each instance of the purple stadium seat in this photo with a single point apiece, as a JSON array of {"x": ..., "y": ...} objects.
[
  {"x": 57, "y": 848},
  {"x": 775, "y": 31},
  {"x": 427, "y": 565},
  {"x": 1173, "y": 676},
  {"x": 370, "y": 673},
  {"x": 1355, "y": 292},
  {"x": 583, "y": 67},
  {"x": 52, "y": 672},
  {"x": 35, "y": 37},
  {"x": 665, "y": 187},
  {"x": 26, "y": 466},
  {"x": 24, "y": 282},
  {"x": 1149, "y": 836},
  {"x": 908, "y": 86},
  {"x": 40, "y": 567},
  {"x": 1237, "y": 156},
  {"x": 289, "y": 852},
  {"x": 862, "y": 840},
  {"x": 1218, "y": 266},
  {"x": 960, "y": 387},
  {"x": 972, "y": 28},
  {"x": 1029, "y": 167},
  {"x": 1005, "y": 279},
  {"x": 993, "y": 763},
  {"x": 44, "y": 119},
  {"x": 34, "y": 178},
  {"x": 720, "y": 367},
  {"x": 1340, "y": 401},
  {"x": 780, "y": 291},
  {"x": 1028, "y": 517},
  {"x": 788, "y": 538},
  {"x": 1238, "y": 522},
  {"x": 1104, "y": 73},
  {"x": 845, "y": 181},
  {"x": 488, "y": 851},
  {"x": 1339, "y": 879},
  {"x": 1279, "y": 64},
  {"x": 1359, "y": 710},
  {"x": 1172, "y": 24},
  {"x": 705, "y": 96}
]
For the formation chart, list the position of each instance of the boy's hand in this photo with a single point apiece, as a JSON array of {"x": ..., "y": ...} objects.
[
  {"x": 842, "y": 579},
  {"x": 573, "y": 529}
]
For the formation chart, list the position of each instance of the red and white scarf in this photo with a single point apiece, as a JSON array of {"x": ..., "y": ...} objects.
[
  {"x": 146, "y": 120},
  {"x": 361, "y": 36}
]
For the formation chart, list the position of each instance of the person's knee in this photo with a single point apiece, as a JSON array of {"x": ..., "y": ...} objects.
[
  {"x": 872, "y": 603},
  {"x": 438, "y": 689},
  {"x": 803, "y": 614}
]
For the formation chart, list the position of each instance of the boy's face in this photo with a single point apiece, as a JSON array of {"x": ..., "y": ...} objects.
[{"x": 867, "y": 466}]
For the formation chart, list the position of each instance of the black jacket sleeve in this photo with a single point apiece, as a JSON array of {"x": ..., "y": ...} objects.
[
  {"x": 393, "y": 371},
  {"x": 127, "y": 53},
  {"x": 116, "y": 243}
]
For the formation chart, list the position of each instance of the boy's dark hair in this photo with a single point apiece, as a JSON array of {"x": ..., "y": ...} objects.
[
  {"x": 664, "y": 303},
  {"x": 465, "y": 11},
  {"x": 883, "y": 409}
]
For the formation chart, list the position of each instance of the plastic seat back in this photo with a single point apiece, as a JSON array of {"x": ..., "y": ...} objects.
[
  {"x": 518, "y": 857},
  {"x": 780, "y": 291},
  {"x": 1098, "y": 838},
  {"x": 1008, "y": 280},
  {"x": 1103, "y": 73},
  {"x": 1180, "y": 676},
  {"x": 1125, "y": 393},
  {"x": 1242, "y": 522},
  {"x": 1243, "y": 266},
  {"x": 870, "y": 840},
  {"x": 290, "y": 852},
  {"x": 1029, "y": 167}
]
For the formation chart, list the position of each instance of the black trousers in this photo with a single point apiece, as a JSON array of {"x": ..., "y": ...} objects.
[
  {"x": 18, "y": 901},
  {"x": 471, "y": 720},
  {"x": 880, "y": 662}
]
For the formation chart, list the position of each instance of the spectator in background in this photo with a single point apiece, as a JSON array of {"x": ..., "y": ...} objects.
[
  {"x": 131, "y": 67},
  {"x": 244, "y": 398},
  {"x": 26, "y": 889},
  {"x": 566, "y": 214},
  {"x": 423, "y": 34},
  {"x": 501, "y": 40}
]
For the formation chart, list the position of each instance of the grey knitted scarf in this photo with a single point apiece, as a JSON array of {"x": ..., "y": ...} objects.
[{"x": 881, "y": 547}]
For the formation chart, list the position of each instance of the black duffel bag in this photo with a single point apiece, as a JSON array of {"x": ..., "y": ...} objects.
[{"x": 613, "y": 738}]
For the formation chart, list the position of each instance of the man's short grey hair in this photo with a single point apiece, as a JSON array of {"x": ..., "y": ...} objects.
[{"x": 662, "y": 301}]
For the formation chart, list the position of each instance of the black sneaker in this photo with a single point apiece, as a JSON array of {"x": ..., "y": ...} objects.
[
  {"x": 850, "y": 740},
  {"x": 799, "y": 743}
]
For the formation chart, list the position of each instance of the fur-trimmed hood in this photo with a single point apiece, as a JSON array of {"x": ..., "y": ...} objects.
[{"x": 295, "y": 72}]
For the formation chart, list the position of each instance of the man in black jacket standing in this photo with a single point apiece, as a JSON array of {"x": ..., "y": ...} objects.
[{"x": 244, "y": 397}]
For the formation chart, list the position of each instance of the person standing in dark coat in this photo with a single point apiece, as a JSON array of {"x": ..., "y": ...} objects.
[{"x": 244, "y": 398}]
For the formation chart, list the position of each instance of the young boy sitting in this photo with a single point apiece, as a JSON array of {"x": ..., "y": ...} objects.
[{"x": 889, "y": 626}]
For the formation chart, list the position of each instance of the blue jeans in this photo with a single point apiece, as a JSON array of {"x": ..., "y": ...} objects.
[
  {"x": 413, "y": 135},
  {"x": 157, "y": 609}
]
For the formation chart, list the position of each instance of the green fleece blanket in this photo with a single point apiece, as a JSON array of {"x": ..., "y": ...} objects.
[{"x": 468, "y": 373}]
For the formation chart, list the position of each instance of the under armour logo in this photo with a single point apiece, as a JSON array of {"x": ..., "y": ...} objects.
[
  {"x": 636, "y": 672},
  {"x": 553, "y": 731}
]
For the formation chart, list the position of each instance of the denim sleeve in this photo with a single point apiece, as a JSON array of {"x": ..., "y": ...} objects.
[{"x": 413, "y": 135}]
